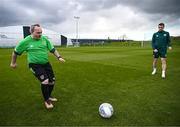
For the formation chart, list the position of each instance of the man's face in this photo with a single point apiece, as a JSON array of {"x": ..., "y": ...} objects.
[
  {"x": 37, "y": 32},
  {"x": 160, "y": 27}
]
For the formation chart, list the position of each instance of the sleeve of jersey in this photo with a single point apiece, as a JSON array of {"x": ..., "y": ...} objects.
[
  {"x": 50, "y": 46},
  {"x": 20, "y": 48},
  {"x": 169, "y": 40},
  {"x": 153, "y": 41}
]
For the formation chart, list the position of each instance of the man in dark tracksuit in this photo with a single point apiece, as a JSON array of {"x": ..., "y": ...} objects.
[{"x": 160, "y": 43}]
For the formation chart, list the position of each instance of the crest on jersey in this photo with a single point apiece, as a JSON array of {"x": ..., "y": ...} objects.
[
  {"x": 157, "y": 35},
  {"x": 165, "y": 35}
]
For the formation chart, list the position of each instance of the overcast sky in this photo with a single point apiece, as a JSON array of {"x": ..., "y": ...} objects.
[{"x": 137, "y": 19}]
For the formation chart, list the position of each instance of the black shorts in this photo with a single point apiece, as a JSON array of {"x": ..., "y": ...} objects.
[
  {"x": 42, "y": 71},
  {"x": 162, "y": 52}
]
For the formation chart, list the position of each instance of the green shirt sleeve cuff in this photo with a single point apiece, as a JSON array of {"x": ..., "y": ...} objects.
[
  {"x": 52, "y": 50},
  {"x": 16, "y": 53}
]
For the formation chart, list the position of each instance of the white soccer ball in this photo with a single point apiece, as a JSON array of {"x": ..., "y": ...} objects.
[{"x": 106, "y": 110}]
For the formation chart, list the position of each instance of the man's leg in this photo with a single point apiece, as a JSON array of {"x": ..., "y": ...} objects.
[
  {"x": 156, "y": 56},
  {"x": 51, "y": 86},
  {"x": 164, "y": 66},
  {"x": 45, "y": 92},
  {"x": 45, "y": 89},
  {"x": 163, "y": 53},
  {"x": 50, "y": 74},
  {"x": 41, "y": 75},
  {"x": 154, "y": 66}
]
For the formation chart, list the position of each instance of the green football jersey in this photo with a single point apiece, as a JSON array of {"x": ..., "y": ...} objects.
[
  {"x": 161, "y": 39},
  {"x": 37, "y": 49}
]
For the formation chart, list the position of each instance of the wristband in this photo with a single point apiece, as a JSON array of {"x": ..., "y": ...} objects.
[{"x": 59, "y": 57}]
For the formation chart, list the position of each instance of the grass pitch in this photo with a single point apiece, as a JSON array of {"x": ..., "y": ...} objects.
[{"x": 93, "y": 75}]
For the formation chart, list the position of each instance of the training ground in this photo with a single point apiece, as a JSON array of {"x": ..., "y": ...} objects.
[{"x": 117, "y": 74}]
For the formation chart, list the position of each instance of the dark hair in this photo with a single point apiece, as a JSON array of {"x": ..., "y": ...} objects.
[
  {"x": 33, "y": 26},
  {"x": 161, "y": 24}
]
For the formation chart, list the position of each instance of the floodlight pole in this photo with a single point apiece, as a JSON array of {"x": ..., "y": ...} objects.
[
  {"x": 142, "y": 42},
  {"x": 77, "y": 25}
]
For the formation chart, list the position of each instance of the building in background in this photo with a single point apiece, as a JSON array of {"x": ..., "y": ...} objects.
[{"x": 11, "y": 35}]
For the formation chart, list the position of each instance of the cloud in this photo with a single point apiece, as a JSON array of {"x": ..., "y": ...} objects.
[
  {"x": 99, "y": 18},
  {"x": 13, "y": 12}
]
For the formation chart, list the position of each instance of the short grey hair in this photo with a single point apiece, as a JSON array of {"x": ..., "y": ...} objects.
[{"x": 33, "y": 26}]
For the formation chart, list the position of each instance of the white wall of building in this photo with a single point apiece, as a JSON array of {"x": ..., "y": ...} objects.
[{"x": 11, "y": 35}]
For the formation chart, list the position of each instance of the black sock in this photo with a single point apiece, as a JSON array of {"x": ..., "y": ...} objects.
[
  {"x": 45, "y": 91},
  {"x": 50, "y": 89}
]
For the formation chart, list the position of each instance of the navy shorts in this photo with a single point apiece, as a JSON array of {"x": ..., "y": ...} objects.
[{"x": 161, "y": 53}]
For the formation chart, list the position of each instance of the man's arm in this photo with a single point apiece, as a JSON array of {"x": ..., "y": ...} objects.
[
  {"x": 169, "y": 42},
  {"x": 13, "y": 60},
  {"x": 19, "y": 49},
  {"x": 56, "y": 53},
  {"x": 153, "y": 41}
]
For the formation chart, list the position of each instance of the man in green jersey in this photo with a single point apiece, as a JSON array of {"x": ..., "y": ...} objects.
[
  {"x": 160, "y": 43},
  {"x": 37, "y": 47}
]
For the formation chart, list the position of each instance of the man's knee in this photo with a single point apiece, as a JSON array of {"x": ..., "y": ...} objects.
[
  {"x": 45, "y": 82},
  {"x": 155, "y": 59},
  {"x": 52, "y": 83},
  {"x": 163, "y": 59}
]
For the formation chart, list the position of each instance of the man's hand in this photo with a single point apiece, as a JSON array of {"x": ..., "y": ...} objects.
[
  {"x": 61, "y": 60},
  {"x": 13, "y": 65},
  {"x": 170, "y": 48},
  {"x": 155, "y": 50}
]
